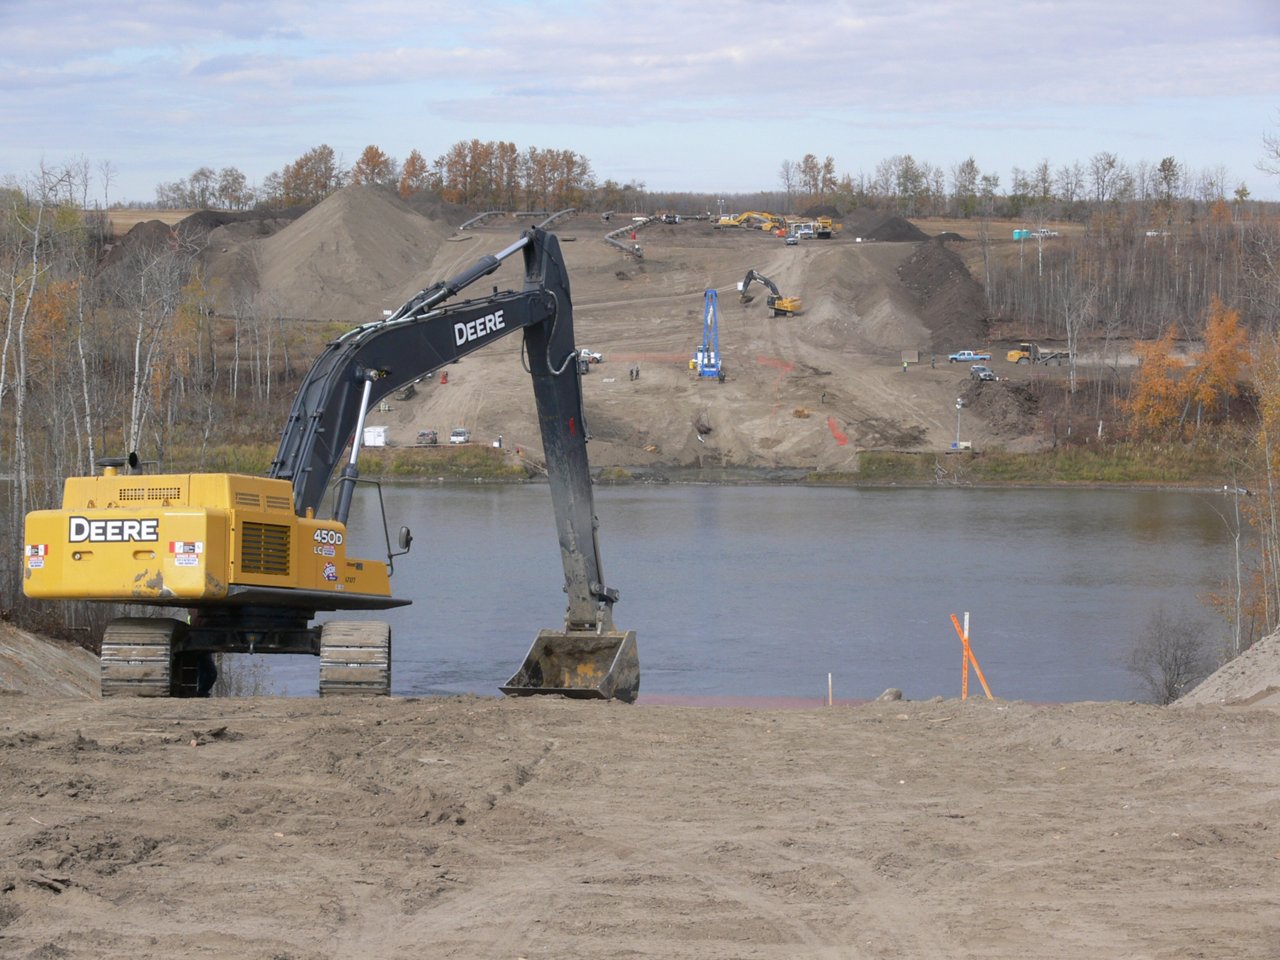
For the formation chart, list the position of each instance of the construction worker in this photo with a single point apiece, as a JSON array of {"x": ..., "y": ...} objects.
[{"x": 904, "y": 366}]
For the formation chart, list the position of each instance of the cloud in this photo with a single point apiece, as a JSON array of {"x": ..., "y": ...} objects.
[{"x": 832, "y": 76}]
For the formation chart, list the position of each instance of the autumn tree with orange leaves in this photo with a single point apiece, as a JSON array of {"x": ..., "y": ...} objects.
[
  {"x": 1167, "y": 395},
  {"x": 374, "y": 167},
  {"x": 1157, "y": 396},
  {"x": 1215, "y": 377}
]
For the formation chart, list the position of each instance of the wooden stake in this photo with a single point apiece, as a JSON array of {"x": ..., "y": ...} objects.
[{"x": 968, "y": 658}]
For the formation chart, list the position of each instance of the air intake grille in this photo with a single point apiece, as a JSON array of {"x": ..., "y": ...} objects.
[
  {"x": 136, "y": 494},
  {"x": 244, "y": 499},
  {"x": 264, "y": 548}
]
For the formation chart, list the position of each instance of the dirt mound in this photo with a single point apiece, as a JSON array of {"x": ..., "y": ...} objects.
[
  {"x": 359, "y": 252},
  {"x": 885, "y": 228},
  {"x": 1253, "y": 678},
  {"x": 1009, "y": 409},
  {"x": 952, "y": 304},
  {"x": 350, "y": 257},
  {"x": 41, "y": 667},
  {"x": 204, "y": 222},
  {"x": 141, "y": 238}
]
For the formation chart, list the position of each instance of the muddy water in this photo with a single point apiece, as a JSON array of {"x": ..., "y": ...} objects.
[{"x": 763, "y": 591}]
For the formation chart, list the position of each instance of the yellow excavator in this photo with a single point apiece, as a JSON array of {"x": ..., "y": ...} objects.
[
  {"x": 776, "y": 302},
  {"x": 751, "y": 219},
  {"x": 248, "y": 562}
]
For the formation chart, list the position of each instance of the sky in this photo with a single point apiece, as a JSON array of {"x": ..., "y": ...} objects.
[{"x": 710, "y": 96}]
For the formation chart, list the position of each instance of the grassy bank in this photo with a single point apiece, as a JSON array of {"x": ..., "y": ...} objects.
[
  {"x": 1136, "y": 464},
  {"x": 465, "y": 462}
]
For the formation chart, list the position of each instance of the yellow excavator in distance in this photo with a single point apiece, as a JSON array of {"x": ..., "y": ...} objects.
[{"x": 780, "y": 306}]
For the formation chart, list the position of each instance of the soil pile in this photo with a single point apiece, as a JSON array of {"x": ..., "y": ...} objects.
[
  {"x": 874, "y": 225},
  {"x": 1251, "y": 678},
  {"x": 1009, "y": 409},
  {"x": 42, "y": 667},
  {"x": 952, "y": 304},
  {"x": 359, "y": 252}
]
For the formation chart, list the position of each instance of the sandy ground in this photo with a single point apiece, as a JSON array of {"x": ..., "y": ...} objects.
[{"x": 547, "y": 828}]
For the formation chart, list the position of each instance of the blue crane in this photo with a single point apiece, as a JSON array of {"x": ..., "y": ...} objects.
[{"x": 707, "y": 359}]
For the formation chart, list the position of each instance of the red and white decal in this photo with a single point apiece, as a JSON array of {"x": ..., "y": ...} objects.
[
  {"x": 36, "y": 552},
  {"x": 186, "y": 553}
]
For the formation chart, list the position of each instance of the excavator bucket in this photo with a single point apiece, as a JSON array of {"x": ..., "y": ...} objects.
[{"x": 580, "y": 664}]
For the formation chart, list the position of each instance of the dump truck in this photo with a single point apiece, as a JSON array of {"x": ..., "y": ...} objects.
[
  {"x": 1028, "y": 352},
  {"x": 236, "y": 564}
]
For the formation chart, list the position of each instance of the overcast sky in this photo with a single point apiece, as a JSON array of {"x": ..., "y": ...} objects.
[{"x": 711, "y": 95}]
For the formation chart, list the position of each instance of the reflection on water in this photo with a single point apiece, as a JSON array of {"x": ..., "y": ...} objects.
[{"x": 761, "y": 591}]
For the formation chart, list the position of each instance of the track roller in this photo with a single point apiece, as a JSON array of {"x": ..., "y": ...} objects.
[{"x": 355, "y": 658}]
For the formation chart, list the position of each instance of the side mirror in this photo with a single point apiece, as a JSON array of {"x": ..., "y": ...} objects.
[{"x": 406, "y": 538}]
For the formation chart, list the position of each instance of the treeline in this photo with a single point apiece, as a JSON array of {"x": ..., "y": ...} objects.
[
  {"x": 478, "y": 174},
  {"x": 1124, "y": 277},
  {"x": 501, "y": 175}
]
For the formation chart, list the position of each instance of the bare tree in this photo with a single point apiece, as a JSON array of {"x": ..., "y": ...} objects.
[
  {"x": 1170, "y": 656},
  {"x": 787, "y": 176}
]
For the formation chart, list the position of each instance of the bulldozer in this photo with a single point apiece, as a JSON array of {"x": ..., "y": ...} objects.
[
  {"x": 779, "y": 305},
  {"x": 246, "y": 562}
]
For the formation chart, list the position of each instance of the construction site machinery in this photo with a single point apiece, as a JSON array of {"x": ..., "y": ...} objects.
[
  {"x": 247, "y": 563},
  {"x": 1033, "y": 353},
  {"x": 780, "y": 305},
  {"x": 707, "y": 360},
  {"x": 752, "y": 219}
]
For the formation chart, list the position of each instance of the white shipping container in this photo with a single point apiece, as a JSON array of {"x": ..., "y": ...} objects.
[{"x": 375, "y": 436}]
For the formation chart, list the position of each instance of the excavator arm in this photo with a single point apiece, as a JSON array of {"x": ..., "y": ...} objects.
[{"x": 758, "y": 278}]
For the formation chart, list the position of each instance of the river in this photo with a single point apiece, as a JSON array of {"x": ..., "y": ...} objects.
[{"x": 762, "y": 591}]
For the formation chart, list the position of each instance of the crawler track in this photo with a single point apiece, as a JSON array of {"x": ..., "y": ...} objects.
[
  {"x": 137, "y": 657},
  {"x": 355, "y": 658}
]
